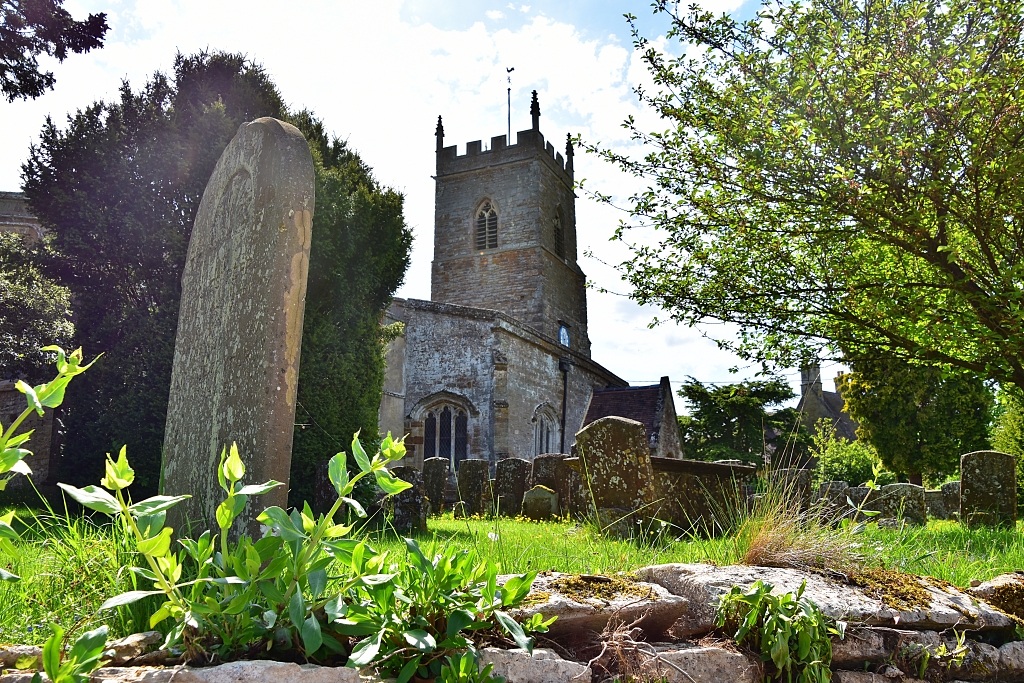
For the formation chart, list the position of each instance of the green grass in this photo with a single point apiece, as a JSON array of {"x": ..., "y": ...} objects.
[{"x": 70, "y": 565}]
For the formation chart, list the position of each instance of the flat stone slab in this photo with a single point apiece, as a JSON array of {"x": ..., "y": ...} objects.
[
  {"x": 543, "y": 666},
  {"x": 260, "y": 671},
  {"x": 694, "y": 664},
  {"x": 593, "y": 600},
  {"x": 702, "y": 585}
]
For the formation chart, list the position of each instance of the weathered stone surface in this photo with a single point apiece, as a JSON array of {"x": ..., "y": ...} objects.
[
  {"x": 702, "y": 585},
  {"x": 236, "y": 355},
  {"x": 1011, "y": 659},
  {"x": 511, "y": 482},
  {"x": 1004, "y": 592},
  {"x": 935, "y": 503},
  {"x": 951, "y": 498},
  {"x": 866, "y": 677},
  {"x": 833, "y": 491},
  {"x": 795, "y": 482},
  {"x": 435, "y": 476},
  {"x": 409, "y": 508},
  {"x": 543, "y": 666},
  {"x": 988, "y": 489},
  {"x": 616, "y": 522},
  {"x": 902, "y": 501},
  {"x": 10, "y": 654},
  {"x": 128, "y": 648},
  {"x": 697, "y": 496},
  {"x": 540, "y": 503},
  {"x": 473, "y": 478},
  {"x": 137, "y": 674},
  {"x": 692, "y": 664},
  {"x": 591, "y": 604},
  {"x": 615, "y": 460},
  {"x": 981, "y": 662},
  {"x": 874, "y": 644},
  {"x": 262, "y": 671}
]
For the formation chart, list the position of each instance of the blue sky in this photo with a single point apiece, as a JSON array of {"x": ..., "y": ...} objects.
[{"x": 379, "y": 74}]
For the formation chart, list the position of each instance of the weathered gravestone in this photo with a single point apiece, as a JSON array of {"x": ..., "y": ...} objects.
[
  {"x": 902, "y": 501},
  {"x": 936, "y": 504},
  {"x": 409, "y": 508},
  {"x": 435, "y": 475},
  {"x": 615, "y": 462},
  {"x": 511, "y": 481},
  {"x": 473, "y": 477},
  {"x": 794, "y": 483},
  {"x": 243, "y": 293},
  {"x": 951, "y": 498},
  {"x": 988, "y": 489},
  {"x": 551, "y": 470},
  {"x": 540, "y": 503}
]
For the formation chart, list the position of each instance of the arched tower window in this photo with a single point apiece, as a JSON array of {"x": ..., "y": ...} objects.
[
  {"x": 545, "y": 430},
  {"x": 559, "y": 233},
  {"x": 445, "y": 433},
  {"x": 486, "y": 227}
]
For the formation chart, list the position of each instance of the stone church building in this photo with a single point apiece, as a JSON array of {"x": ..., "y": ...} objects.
[{"x": 497, "y": 363}]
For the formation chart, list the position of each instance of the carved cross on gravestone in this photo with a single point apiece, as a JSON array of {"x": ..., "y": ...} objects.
[{"x": 243, "y": 294}]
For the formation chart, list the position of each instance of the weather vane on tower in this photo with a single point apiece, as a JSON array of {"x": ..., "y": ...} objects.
[{"x": 509, "y": 73}]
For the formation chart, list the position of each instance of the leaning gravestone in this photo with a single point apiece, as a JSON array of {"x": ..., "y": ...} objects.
[
  {"x": 435, "y": 476},
  {"x": 615, "y": 461},
  {"x": 511, "y": 481},
  {"x": 988, "y": 489},
  {"x": 243, "y": 294}
]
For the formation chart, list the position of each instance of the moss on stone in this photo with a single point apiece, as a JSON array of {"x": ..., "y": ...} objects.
[
  {"x": 1008, "y": 598},
  {"x": 903, "y": 592},
  {"x": 581, "y": 587}
]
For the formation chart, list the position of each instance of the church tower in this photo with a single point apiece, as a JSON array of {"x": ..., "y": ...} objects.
[{"x": 505, "y": 233}]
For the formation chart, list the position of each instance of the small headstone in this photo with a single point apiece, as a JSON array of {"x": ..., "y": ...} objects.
[
  {"x": 988, "y": 489},
  {"x": 549, "y": 469},
  {"x": 540, "y": 503},
  {"x": 409, "y": 508},
  {"x": 435, "y": 475},
  {"x": 951, "y": 498},
  {"x": 936, "y": 504},
  {"x": 795, "y": 484},
  {"x": 904, "y": 501},
  {"x": 473, "y": 478},
  {"x": 243, "y": 293},
  {"x": 615, "y": 461},
  {"x": 511, "y": 481}
]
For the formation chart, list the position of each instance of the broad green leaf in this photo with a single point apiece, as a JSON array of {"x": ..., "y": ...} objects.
[
  {"x": 89, "y": 645},
  {"x": 311, "y": 637},
  {"x": 158, "y": 545},
  {"x": 259, "y": 489},
  {"x": 355, "y": 505},
  {"x": 30, "y": 396},
  {"x": 51, "y": 394},
  {"x": 420, "y": 639},
  {"x": 155, "y": 504},
  {"x": 458, "y": 620},
  {"x": 127, "y": 598},
  {"x": 317, "y": 582},
  {"x": 278, "y": 519},
  {"x": 297, "y": 609},
  {"x": 390, "y": 484},
  {"x": 334, "y": 609},
  {"x": 11, "y": 457},
  {"x": 51, "y": 652},
  {"x": 159, "y": 615},
  {"x": 119, "y": 475},
  {"x": 8, "y": 577},
  {"x": 93, "y": 498},
  {"x": 359, "y": 454},
  {"x": 515, "y": 630},
  {"x": 365, "y": 651},
  {"x": 270, "y": 590},
  {"x": 338, "y": 474},
  {"x": 405, "y": 675},
  {"x": 228, "y": 510}
]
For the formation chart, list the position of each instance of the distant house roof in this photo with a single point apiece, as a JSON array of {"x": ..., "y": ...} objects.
[
  {"x": 643, "y": 404},
  {"x": 817, "y": 404}
]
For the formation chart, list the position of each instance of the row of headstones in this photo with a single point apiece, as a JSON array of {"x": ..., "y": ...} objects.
[
  {"x": 986, "y": 494},
  {"x": 520, "y": 487}
]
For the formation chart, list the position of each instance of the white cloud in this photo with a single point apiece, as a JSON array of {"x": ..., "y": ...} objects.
[
  {"x": 495, "y": 14},
  {"x": 380, "y": 83}
]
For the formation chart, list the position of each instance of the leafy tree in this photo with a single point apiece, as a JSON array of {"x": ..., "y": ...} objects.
[
  {"x": 919, "y": 420},
  {"x": 733, "y": 422},
  {"x": 854, "y": 462},
  {"x": 360, "y": 252},
  {"x": 34, "y": 310},
  {"x": 838, "y": 174},
  {"x": 1008, "y": 430},
  {"x": 29, "y": 28},
  {"x": 119, "y": 189}
]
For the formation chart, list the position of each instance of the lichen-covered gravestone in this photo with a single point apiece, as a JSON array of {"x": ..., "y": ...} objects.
[
  {"x": 550, "y": 470},
  {"x": 540, "y": 503},
  {"x": 473, "y": 477},
  {"x": 511, "y": 481},
  {"x": 615, "y": 461},
  {"x": 409, "y": 508},
  {"x": 243, "y": 293},
  {"x": 988, "y": 489},
  {"x": 951, "y": 498},
  {"x": 902, "y": 501},
  {"x": 435, "y": 476}
]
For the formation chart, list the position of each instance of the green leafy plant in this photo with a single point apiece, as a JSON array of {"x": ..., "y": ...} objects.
[
  {"x": 788, "y": 630},
  {"x": 247, "y": 597},
  {"x": 76, "y": 666},
  {"x": 463, "y": 668},
  {"x": 421, "y": 613}
]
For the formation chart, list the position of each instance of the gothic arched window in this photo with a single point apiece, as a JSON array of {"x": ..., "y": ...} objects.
[
  {"x": 559, "y": 234},
  {"x": 486, "y": 227},
  {"x": 445, "y": 433},
  {"x": 545, "y": 430}
]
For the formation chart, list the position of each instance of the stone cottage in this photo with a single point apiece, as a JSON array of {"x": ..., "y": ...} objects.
[
  {"x": 497, "y": 363},
  {"x": 652, "y": 406}
]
